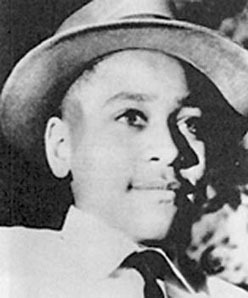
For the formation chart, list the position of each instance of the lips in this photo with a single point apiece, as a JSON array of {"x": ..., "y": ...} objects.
[{"x": 155, "y": 186}]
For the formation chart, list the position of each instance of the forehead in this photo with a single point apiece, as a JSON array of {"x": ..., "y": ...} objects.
[
  {"x": 144, "y": 63},
  {"x": 143, "y": 72}
]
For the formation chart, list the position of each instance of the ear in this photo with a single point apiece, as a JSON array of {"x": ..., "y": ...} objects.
[{"x": 57, "y": 146}]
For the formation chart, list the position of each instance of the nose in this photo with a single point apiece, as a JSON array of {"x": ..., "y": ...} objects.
[{"x": 161, "y": 147}]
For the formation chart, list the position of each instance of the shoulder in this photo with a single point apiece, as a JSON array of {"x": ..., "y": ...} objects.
[
  {"x": 21, "y": 248},
  {"x": 35, "y": 263},
  {"x": 220, "y": 288},
  {"x": 19, "y": 243},
  {"x": 15, "y": 238}
]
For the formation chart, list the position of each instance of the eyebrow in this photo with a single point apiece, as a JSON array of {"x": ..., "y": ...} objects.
[
  {"x": 122, "y": 96},
  {"x": 141, "y": 97},
  {"x": 189, "y": 101}
]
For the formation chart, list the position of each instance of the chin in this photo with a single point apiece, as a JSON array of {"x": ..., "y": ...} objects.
[{"x": 156, "y": 230}]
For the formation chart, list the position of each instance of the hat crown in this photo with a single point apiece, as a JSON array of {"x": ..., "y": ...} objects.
[{"x": 102, "y": 11}]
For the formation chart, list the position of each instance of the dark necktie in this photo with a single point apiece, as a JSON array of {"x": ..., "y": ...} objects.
[{"x": 152, "y": 266}]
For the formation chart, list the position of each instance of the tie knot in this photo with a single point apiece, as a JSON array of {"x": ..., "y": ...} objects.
[{"x": 150, "y": 263}]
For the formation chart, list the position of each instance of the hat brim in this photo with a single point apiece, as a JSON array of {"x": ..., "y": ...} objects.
[{"x": 38, "y": 82}]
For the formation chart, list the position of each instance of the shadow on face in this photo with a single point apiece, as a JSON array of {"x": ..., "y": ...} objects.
[{"x": 221, "y": 129}]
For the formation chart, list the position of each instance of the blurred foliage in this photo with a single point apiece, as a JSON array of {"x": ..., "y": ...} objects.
[
  {"x": 230, "y": 17},
  {"x": 209, "y": 13}
]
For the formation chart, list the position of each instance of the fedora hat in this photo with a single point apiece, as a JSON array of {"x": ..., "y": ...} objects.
[{"x": 37, "y": 84}]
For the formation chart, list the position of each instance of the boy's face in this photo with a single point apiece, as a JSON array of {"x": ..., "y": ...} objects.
[{"x": 123, "y": 151}]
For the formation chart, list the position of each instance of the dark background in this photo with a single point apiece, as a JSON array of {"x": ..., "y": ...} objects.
[{"x": 25, "y": 23}]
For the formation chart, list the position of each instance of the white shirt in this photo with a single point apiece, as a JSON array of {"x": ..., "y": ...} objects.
[{"x": 82, "y": 260}]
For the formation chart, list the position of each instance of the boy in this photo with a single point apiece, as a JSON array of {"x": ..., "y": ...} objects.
[{"x": 129, "y": 136}]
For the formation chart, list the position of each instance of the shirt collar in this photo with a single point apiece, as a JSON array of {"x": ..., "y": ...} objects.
[{"x": 100, "y": 249}]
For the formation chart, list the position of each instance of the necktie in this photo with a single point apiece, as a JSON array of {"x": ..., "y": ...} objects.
[{"x": 153, "y": 266}]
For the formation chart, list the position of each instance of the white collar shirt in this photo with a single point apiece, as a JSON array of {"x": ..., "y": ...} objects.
[{"x": 80, "y": 261}]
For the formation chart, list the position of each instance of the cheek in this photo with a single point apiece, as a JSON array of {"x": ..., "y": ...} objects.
[
  {"x": 194, "y": 173},
  {"x": 104, "y": 161}
]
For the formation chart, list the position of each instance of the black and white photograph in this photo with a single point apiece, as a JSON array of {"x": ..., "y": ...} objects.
[{"x": 124, "y": 148}]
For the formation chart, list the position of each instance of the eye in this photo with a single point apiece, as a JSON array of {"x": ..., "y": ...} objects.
[
  {"x": 190, "y": 126},
  {"x": 133, "y": 118}
]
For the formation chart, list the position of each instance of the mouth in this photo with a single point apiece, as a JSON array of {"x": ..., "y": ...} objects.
[{"x": 154, "y": 186}]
